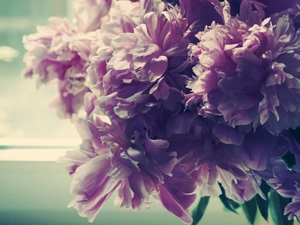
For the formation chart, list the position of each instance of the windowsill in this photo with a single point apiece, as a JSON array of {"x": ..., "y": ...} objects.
[
  {"x": 38, "y": 142},
  {"x": 32, "y": 155},
  {"x": 37, "y": 193},
  {"x": 35, "y": 150}
]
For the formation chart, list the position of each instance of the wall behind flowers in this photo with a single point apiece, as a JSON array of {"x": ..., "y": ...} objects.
[{"x": 24, "y": 110}]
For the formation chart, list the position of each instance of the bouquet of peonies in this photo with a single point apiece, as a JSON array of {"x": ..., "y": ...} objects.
[{"x": 178, "y": 99}]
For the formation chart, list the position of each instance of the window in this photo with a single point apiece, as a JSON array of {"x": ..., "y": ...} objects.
[{"x": 24, "y": 110}]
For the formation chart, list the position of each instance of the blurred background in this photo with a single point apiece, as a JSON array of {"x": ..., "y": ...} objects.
[
  {"x": 33, "y": 188},
  {"x": 24, "y": 110}
]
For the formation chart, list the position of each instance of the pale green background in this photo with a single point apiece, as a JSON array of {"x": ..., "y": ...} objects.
[{"x": 38, "y": 193}]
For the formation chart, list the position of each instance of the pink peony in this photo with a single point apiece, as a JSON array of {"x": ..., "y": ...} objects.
[
  {"x": 90, "y": 14},
  {"x": 57, "y": 53}
]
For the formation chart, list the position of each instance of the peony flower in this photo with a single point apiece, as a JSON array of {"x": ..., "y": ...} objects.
[
  {"x": 285, "y": 182},
  {"x": 60, "y": 52},
  {"x": 245, "y": 74},
  {"x": 118, "y": 23},
  {"x": 90, "y": 14},
  {"x": 142, "y": 68},
  {"x": 215, "y": 154},
  {"x": 48, "y": 50},
  {"x": 293, "y": 208},
  {"x": 57, "y": 53},
  {"x": 119, "y": 156},
  {"x": 263, "y": 8}
]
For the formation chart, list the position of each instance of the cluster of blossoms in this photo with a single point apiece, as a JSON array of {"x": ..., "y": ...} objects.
[{"x": 181, "y": 99}]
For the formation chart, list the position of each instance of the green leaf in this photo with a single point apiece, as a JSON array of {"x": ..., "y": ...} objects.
[
  {"x": 263, "y": 205},
  {"x": 228, "y": 203},
  {"x": 277, "y": 205},
  {"x": 250, "y": 210},
  {"x": 198, "y": 212},
  {"x": 265, "y": 188}
]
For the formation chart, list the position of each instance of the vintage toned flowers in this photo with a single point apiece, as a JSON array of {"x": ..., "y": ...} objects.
[{"x": 178, "y": 99}]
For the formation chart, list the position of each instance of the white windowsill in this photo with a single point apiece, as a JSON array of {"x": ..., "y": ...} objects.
[
  {"x": 35, "y": 150},
  {"x": 32, "y": 155},
  {"x": 38, "y": 142}
]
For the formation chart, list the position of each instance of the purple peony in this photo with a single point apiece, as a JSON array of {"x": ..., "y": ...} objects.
[
  {"x": 214, "y": 154},
  {"x": 245, "y": 74},
  {"x": 262, "y": 8},
  {"x": 293, "y": 208},
  {"x": 120, "y": 156},
  {"x": 285, "y": 182},
  {"x": 200, "y": 12}
]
